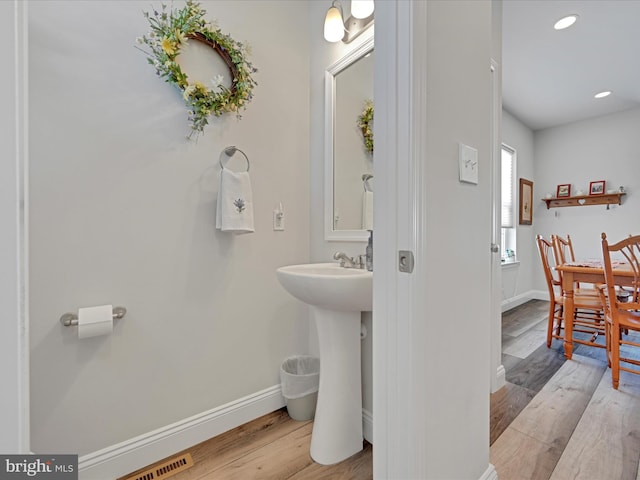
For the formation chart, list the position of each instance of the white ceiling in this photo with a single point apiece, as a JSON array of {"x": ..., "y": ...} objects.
[{"x": 549, "y": 77}]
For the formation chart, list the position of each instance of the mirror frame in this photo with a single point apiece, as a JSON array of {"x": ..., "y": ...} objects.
[{"x": 329, "y": 124}]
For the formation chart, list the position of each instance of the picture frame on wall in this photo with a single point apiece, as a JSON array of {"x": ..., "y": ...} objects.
[
  {"x": 526, "y": 202},
  {"x": 563, "y": 190},
  {"x": 596, "y": 188}
]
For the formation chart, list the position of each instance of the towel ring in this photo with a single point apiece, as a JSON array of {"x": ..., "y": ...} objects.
[
  {"x": 365, "y": 182},
  {"x": 230, "y": 152}
]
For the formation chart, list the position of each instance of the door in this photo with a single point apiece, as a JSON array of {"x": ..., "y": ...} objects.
[{"x": 432, "y": 326}]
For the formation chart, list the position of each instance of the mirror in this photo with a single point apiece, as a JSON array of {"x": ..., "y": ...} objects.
[{"x": 348, "y": 164}]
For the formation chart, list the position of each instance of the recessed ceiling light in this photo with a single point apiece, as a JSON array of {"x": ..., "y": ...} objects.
[
  {"x": 565, "y": 22},
  {"x": 606, "y": 93}
]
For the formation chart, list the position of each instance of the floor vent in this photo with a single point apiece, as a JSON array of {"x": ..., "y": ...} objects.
[{"x": 165, "y": 469}]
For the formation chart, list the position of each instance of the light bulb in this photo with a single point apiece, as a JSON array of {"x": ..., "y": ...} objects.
[
  {"x": 565, "y": 22},
  {"x": 333, "y": 25},
  {"x": 361, "y": 8}
]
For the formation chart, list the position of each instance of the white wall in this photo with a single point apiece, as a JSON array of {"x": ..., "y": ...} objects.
[
  {"x": 603, "y": 148},
  {"x": 457, "y": 108},
  {"x": 123, "y": 212},
  {"x": 517, "y": 278}
]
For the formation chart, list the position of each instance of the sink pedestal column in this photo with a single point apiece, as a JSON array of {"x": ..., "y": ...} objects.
[{"x": 337, "y": 428}]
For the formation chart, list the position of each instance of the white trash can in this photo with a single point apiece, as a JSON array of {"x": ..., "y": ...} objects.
[{"x": 299, "y": 379}]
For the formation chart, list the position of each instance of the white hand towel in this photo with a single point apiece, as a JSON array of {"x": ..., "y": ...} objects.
[
  {"x": 235, "y": 203},
  {"x": 367, "y": 210}
]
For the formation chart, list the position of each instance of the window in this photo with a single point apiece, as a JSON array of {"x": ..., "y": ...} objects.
[{"x": 508, "y": 231}]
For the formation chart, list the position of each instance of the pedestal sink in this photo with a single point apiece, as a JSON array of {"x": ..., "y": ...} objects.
[{"x": 336, "y": 296}]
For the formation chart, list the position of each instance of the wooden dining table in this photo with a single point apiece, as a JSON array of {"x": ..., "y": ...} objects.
[{"x": 590, "y": 271}]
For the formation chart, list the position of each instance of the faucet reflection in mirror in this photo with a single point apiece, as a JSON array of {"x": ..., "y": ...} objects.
[{"x": 336, "y": 29}]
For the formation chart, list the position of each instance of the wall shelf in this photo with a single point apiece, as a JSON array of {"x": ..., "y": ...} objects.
[{"x": 584, "y": 200}]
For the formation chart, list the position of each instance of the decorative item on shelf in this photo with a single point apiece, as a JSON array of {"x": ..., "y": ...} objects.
[
  {"x": 596, "y": 188},
  {"x": 170, "y": 31},
  {"x": 563, "y": 190},
  {"x": 526, "y": 202},
  {"x": 365, "y": 122}
]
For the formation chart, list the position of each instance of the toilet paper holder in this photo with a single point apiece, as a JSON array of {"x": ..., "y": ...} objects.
[{"x": 71, "y": 319}]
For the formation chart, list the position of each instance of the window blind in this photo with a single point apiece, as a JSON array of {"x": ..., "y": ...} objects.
[{"x": 508, "y": 160}]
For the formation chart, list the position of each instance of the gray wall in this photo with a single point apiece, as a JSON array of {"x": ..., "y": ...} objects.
[{"x": 123, "y": 212}]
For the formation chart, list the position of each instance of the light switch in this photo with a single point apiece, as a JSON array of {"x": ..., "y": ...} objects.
[{"x": 468, "y": 164}]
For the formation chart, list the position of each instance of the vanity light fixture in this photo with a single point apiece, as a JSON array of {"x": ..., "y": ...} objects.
[
  {"x": 565, "y": 22},
  {"x": 336, "y": 29},
  {"x": 606, "y": 93}
]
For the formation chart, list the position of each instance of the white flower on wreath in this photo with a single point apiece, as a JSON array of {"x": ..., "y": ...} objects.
[
  {"x": 188, "y": 91},
  {"x": 216, "y": 82}
]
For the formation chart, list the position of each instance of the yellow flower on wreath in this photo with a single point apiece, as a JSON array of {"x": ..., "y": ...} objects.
[
  {"x": 181, "y": 38},
  {"x": 168, "y": 46}
]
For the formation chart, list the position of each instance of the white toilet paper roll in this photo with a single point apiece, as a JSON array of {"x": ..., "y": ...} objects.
[{"x": 95, "y": 321}]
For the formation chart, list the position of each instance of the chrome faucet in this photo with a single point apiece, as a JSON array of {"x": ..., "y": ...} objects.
[{"x": 347, "y": 262}]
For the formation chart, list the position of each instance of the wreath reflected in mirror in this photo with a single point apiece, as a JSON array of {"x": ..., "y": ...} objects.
[
  {"x": 365, "y": 122},
  {"x": 170, "y": 31}
]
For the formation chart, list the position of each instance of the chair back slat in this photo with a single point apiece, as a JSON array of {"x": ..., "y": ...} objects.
[
  {"x": 562, "y": 249},
  {"x": 545, "y": 248},
  {"x": 629, "y": 249}
]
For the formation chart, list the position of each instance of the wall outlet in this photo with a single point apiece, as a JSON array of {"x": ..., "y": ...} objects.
[{"x": 278, "y": 219}]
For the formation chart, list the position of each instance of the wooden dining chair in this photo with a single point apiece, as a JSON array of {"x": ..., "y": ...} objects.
[
  {"x": 563, "y": 253},
  {"x": 587, "y": 316},
  {"x": 622, "y": 312}
]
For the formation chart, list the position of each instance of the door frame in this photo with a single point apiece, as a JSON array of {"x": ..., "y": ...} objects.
[
  {"x": 14, "y": 331},
  {"x": 497, "y": 371}
]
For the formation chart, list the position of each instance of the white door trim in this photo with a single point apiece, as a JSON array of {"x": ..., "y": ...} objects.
[
  {"x": 497, "y": 371},
  {"x": 14, "y": 336},
  {"x": 399, "y": 185}
]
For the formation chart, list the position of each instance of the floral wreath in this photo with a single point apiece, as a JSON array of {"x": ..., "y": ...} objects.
[
  {"x": 365, "y": 122},
  {"x": 170, "y": 30}
]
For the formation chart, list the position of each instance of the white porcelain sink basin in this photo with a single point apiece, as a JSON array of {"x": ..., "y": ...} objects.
[
  {"x": 329, "y": 286},
  {"x": 336, "y": 296}
]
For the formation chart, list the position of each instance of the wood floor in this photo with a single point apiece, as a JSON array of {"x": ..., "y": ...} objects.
[
  {"x": 554, "y": 419},
  {"x": 272, "y": 447},
  {"x": 560, "y": 419}
]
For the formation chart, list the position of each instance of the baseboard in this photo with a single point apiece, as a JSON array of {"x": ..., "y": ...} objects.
[
  {"x": 500, "y": 380},
  {"x": 518, "y": 300},
  {"x": 367, "y": 425},
  {"x": 490, "y": 473},
  {"x": 118, "y": 460},
  {"x": 540, "y": 295}
]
